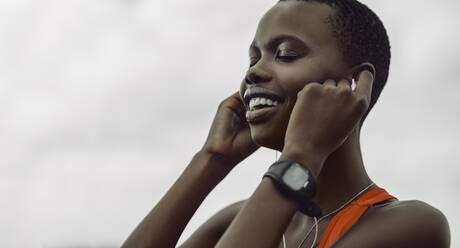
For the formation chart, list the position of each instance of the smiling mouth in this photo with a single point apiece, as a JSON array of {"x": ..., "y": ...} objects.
[
  {"x": 255, "y": 96},
  {"x": 261, "y": 103},
  {"x": 260, "y": 115},
  {"x": 257, "y": 103}
]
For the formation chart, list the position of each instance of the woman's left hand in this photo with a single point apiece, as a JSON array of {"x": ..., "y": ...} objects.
[{"x": 323, "y": 117}]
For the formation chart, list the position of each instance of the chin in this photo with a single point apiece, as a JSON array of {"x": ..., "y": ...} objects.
[{"x": 266, "y": 138}]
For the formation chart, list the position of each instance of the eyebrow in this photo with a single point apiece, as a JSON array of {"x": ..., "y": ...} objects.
[{"x": 278, "y": 40}]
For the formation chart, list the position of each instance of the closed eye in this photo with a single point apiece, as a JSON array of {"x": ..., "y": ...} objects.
[
  {"x": 287, "y": 55},
  {"x": 253, "y": 61}
]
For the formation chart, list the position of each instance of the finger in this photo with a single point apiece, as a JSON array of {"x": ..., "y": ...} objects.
[
  {"x": 330, "y": 83},
  {"x": 236, "y": 99},
  {"x": 236, "y": 103},
  {"x": 364, "y": 84},
  {"x": 237, "y": 95},
  {"x": 344, "y": 84}
]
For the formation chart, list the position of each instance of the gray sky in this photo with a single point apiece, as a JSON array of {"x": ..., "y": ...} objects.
[{"x": 103, "y": 104}]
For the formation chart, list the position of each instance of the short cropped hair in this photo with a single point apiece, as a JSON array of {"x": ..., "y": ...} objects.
[{"x": 362, "y": 38}]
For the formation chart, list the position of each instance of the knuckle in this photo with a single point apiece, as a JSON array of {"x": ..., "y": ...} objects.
[
  {"x": 345, "y": 91},
  {"x": 330, "y": 90},
  {"x": 301, "y": 92},
  {"x": 222, "y": 104},
  {"x": 314, "y": 86},
  {"x": 311, "y": 87}
]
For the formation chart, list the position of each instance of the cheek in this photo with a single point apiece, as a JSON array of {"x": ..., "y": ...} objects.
[{"x": 295, "y": 77}]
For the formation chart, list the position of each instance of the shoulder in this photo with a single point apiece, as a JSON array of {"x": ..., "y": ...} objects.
[
  {"x": 415, "y": 215},
  {"x": 400, "y": 224}
]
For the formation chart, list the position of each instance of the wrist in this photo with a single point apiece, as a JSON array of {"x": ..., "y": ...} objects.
[
  {"x": 211, "y": 165},
  {"x": 314, "y": 160}
]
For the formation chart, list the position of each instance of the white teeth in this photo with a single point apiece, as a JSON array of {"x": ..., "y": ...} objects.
[{"x": 261, "y": 101}]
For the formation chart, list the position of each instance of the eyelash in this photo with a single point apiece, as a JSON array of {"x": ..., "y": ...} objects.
[
  {"x": 252, "y": 63},
  {"x": 289, "y": 55},
  {"x": 285, "y": 58}
]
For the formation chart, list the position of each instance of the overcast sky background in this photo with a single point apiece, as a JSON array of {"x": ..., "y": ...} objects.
[{"x": 103, "y": 104}]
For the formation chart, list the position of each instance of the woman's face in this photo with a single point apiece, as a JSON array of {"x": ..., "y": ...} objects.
[{"x": 293, "y": 46}]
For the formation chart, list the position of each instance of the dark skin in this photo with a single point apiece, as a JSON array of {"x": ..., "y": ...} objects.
[{"x": 320, "y": 114}]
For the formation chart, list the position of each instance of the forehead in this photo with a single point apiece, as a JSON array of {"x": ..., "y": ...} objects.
[{"x": 305, "y": 20}]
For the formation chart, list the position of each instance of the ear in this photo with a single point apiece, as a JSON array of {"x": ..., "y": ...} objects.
[{"x": 356, "y": 70}]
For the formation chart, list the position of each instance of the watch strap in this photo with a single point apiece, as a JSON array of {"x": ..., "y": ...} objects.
[{"x": 301, "y": 196}]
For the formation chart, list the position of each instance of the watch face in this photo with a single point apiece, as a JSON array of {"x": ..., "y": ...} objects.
[{"x": 296, "y": 177}]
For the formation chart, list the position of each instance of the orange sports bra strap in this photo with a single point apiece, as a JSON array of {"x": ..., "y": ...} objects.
[{"x": 351, "y": 214}]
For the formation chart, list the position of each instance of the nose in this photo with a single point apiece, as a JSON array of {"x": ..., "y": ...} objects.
[{"x": 258, "y": 74}]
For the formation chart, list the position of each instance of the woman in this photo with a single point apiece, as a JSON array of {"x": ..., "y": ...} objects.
[{"x": 297, "y": 97}]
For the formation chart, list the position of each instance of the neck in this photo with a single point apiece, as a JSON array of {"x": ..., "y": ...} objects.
[{"x": 343, "y": 175}]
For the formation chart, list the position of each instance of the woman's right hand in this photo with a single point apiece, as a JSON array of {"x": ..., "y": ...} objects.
[
  {"x": 228, "y": 143},
  {"x": 229, "y": 138}
]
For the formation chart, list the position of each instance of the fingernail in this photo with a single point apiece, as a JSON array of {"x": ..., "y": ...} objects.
[{"x": 371, "y": 75}]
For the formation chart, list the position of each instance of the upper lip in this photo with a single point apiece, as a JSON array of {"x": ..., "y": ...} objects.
[{"x": 260, "y": 92}]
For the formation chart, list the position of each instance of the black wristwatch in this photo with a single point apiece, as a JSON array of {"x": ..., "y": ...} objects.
[{"x": 297, "y": 183}]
